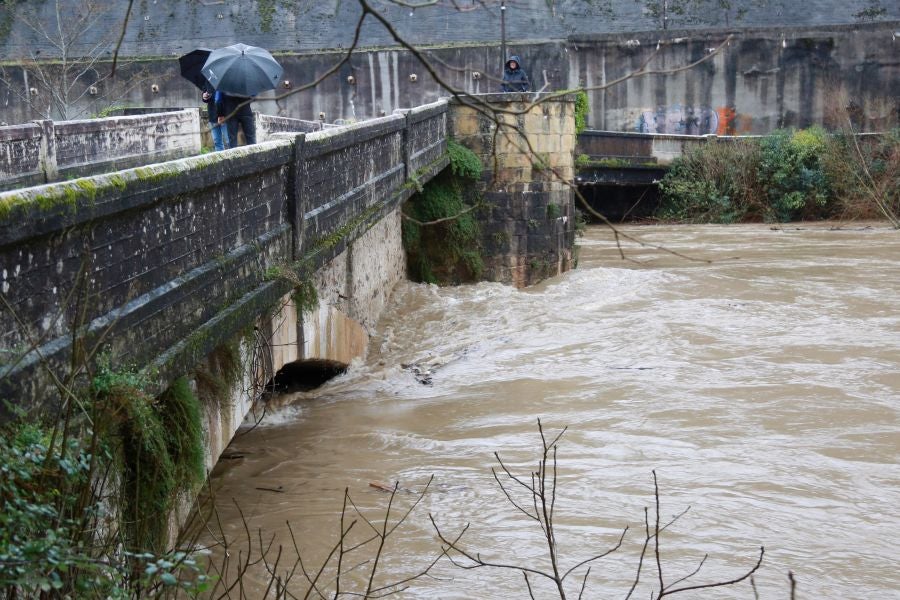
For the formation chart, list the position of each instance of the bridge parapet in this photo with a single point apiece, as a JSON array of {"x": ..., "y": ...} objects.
[
  {"x": 137, "y": 259},
  {"x": 162, "y": 263},
  {"x": 47, "y": 151}
]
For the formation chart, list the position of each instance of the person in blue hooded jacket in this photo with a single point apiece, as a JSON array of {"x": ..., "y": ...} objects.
[{"x": 514, "y": 77}]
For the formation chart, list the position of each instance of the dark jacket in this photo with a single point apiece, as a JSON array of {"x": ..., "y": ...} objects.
[
  {"x": 228, "y": 103},
  {"x": 514, "y": 80}
]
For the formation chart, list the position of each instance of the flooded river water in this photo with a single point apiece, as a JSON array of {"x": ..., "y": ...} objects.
[{"x": 763, "y": 388}]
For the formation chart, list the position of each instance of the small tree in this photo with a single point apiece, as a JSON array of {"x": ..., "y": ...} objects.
[
  {"x": 534, "y": 495},
  {"x": 55, "y": 84}
]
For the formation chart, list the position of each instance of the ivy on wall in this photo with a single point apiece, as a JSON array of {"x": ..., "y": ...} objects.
[{"x": 441, "y": 232}]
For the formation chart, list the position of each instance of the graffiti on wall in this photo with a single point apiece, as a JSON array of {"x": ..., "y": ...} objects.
[
  {"x": 693, "y": 120},
  {"x": 732, "y": 122}
]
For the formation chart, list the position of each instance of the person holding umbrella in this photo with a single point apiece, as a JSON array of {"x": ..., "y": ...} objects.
[
  {"x": 240, "y": 72},
  {"x": 191, "y": 65}
]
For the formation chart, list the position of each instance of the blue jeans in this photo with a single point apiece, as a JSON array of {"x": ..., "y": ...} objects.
[{"x": 219, "y": 135}]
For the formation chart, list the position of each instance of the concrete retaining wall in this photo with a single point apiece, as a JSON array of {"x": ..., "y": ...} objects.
[
  {"x": 173, "y": 28},
  {"x": 638, "y": 148},
  {"x": 47, "y": 151},
  {"x": 766, "y": 78}
]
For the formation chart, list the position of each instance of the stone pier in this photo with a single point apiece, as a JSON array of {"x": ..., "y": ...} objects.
[{"x": 526, "y": 143}]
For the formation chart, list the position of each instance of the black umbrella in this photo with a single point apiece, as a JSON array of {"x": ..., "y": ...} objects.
[
  {"x": 242, "y": 70},
  {"x": 191, "y": 65}
]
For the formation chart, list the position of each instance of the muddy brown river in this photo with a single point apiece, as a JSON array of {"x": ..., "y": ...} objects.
[{"x": 762, "y": 387}]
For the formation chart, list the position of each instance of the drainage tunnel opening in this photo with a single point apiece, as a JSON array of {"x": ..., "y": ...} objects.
[
  {"x": 620, "y": 203},
  {"x": 305, "y": 375}
]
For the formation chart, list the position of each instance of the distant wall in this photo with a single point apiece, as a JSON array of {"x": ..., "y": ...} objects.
[
  {"x": 48, "y": 151},
  {"x": 170, "y": 28},
  {"x": 764, "y": 79}
]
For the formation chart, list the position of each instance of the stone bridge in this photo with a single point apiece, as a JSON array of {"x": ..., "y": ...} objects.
[
  {"x": 159, "y": 265},
  {"x": 285, "y": 251}
]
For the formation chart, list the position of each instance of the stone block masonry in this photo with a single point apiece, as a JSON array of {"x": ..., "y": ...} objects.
[
  {"x": 138, "y": 259},
  {"x": 47, "y": 151},
  {"x": 163, "y": 266},
  {"x": 162, "y": 263},
  {"x": 526, "y": 143}
]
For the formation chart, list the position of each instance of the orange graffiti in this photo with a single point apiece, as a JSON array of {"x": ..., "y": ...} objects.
[{"x": 733, "y": 123}]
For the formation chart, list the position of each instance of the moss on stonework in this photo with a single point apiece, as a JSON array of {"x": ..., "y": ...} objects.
[
  {"x": 266, "y": 10},
  {"x": 447, "y": 252},
  {"x": 163, "y": 451},
  {"x": 217, "y": 376},
  {"x": 299, "y": 275},
  {"x": 334, "y": 238},
  {"x": 68, "y": 195}
]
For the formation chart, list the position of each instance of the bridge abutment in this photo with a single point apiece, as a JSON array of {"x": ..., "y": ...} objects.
[{"x": 526, "y": 143}]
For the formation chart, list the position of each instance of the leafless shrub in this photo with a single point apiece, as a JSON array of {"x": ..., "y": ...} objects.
[
  {"x": 534, "y": 495},
  {"x": 864, "y": 169},
  {"x": 351, "y": 567}
]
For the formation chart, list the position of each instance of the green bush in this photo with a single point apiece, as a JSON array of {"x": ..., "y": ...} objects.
[
  {"x": 716, "y": 183},
  {"x": 785, "y": 176},
  {"x": 57, "y": 538},
  {"x": 791, "y": 166}
]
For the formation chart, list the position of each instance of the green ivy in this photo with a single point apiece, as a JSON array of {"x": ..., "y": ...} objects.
[
  {"x": 581, "y": 111},
  {"x": 448, "y": 252}
]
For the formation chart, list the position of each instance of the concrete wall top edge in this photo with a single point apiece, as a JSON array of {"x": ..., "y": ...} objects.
[
  {"x": 25, "y": 131},
  {"x": 775, "y": 31},
  {"x": 124, "y": 122},
  {"x": 37, "y": 210},
  {"x": 427, "y": 111},
  {"x": 510, "y": 97},
  {"x": 172, "y": 28},
  {"x": 339, "y": 137}
]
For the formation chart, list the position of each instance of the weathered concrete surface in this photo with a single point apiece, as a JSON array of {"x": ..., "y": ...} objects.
[
  {"x": 527, "y": 149},
  {"x": 21, "y": 150},
  {"x": 47, "y": 151},
  {"x": 638, "y": 148},
  {"x": 763, "y": 80},
  {"x": 268, "y": 125},
  {"x": 766, "y": 78},
  {"x": 173, "y": 28}
]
